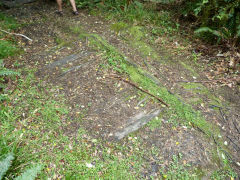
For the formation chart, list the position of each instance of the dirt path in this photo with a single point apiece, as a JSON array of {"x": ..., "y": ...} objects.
[{"x": 67, "y": 53}]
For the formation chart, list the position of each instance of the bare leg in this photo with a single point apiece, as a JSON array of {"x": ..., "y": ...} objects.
[
  {"x": 59, "y": 2},
  {"x": 73, "y": 5}
]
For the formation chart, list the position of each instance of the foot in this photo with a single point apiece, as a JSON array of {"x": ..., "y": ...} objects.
[
  {"x": 60, "y": 13},
  {"x": 75, "y": 12}
]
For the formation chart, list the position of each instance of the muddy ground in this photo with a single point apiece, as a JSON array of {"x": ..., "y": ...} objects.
[{"x": 110, "y": 107}]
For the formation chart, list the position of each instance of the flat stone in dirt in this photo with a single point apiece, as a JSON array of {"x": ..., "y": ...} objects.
[
  {"x": 135, "y": 123},
  {"x": 16, "y": 3}
]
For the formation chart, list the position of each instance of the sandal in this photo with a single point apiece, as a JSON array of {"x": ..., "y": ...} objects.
[
  {"x": 60, "y": 13},
  {"x": 75, "y": 12}
]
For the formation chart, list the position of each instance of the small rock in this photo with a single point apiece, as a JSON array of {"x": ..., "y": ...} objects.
[
  {"x": 94, "y": 140},
  {"x": 89, "y": 165},
  {"x": 223, "y": 156}
]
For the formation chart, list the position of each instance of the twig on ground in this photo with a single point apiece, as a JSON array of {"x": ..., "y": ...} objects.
[
  {"x": 235, "y": 145},
  {"x": 236, "y": 127},
  {"x": 223, "y": 115},
  {"x": 16, "y": 34},
  {"x": 136, "y": 86}
]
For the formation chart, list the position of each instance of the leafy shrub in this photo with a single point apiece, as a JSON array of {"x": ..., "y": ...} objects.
[
  {"x": 28, "y": 174},
  {"x": 7, "y": 49},
  {"x": 87, "y": 3},
  {"x": 7, "y": 22},
  {"x": 218, "y": 18}
]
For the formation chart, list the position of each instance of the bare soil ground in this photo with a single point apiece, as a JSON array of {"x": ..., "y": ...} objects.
[{"x": 107, "y": 106}]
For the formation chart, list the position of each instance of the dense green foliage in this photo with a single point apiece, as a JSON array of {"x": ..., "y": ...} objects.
[
  {"x": 216, "y": 19},
  {"x": 7, "y": 48},
  {"x": 220, "y": 18}
]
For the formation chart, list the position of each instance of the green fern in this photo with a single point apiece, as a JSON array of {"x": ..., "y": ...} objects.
[
  {"x": 7, "y": 72},
  {"x": 219, "y": 18},
  {"x": 7, "y": 48},
  {"x": 29, "y": 174},
  {"x": 5, "y": 164},
  {"x": 2, "y": 97},
  {"x": 208, "y": 30}
]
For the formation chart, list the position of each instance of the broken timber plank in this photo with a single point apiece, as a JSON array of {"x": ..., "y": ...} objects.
[
  {"x": 68, "y": 59},
  {"x": 135, "y": 123}
]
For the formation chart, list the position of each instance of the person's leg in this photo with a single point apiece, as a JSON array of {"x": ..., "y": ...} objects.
[
  {"x": 59, "y": 2},
  {"x": 73, "y": 5}
]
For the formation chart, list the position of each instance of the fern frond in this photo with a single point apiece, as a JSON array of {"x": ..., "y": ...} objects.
[
  {"x": 2, "y": 86},
  {"x": 7, "y": 72},
  {"x": 2, "y": 98},
  {"x": 238, "y": 31},
  {"x": 209, "y": 30},
  {"x": 30, "y": 174},
  {"x": 5, "y": 164}
]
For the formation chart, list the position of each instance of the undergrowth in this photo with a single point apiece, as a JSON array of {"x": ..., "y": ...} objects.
[
  {"x": 7, "y": 48},
  {"x": 7, "y": 43},
  {"x": 34, "y": 119},
  {"x": 7, "y": 158},
  {"x": 135, "y": 12}
]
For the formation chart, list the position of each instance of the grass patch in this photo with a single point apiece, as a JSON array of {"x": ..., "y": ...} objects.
[
  {"x": 140, "y": 13},
  {"x": 33, "y": 123},
  {"x": 155, "y": 123},
  {"x": 134, "y": 35},
  {"x": 190, "y": 69},
  {"x": 199, "y": 89},
  {"x": 178, "y": 170},
  {"x": 119, "y": 26},
  {"x": 7, "y": 48},
  {"x": 8, "y": 23},
  {"x": 183, "y": 113},
  {"x": 7, "y": 44}
]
